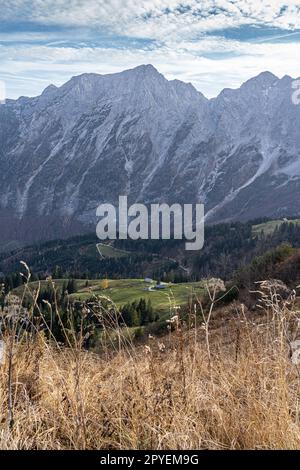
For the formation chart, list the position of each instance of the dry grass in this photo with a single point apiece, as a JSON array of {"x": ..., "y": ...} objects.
[{"x": 175, "y": 393}]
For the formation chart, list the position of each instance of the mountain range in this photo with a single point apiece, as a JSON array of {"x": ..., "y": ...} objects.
[{"x": 135, "y": 133}]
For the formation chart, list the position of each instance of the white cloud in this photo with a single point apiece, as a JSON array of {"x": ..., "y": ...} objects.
[
  {"x": 182, "y": 49},
  {"x": 157, "y": 19}
]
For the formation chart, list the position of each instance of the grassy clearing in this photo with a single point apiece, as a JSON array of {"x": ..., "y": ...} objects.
[
  {"x": 128, "y": 290},
  {"x": 108, "y": 251},
  {"x": 269, "y": 227}
]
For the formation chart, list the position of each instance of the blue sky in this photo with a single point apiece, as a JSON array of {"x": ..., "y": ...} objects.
[{"x": 210, "y": 43}]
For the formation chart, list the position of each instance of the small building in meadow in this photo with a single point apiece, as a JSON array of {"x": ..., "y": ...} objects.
[{"x": 160, "y": 286}]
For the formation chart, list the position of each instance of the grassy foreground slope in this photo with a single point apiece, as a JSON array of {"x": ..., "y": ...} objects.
[{"x": 236, "y": 388}]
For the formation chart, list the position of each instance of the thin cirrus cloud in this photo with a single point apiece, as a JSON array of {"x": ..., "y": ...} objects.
[{"x": 211, "y": 43}]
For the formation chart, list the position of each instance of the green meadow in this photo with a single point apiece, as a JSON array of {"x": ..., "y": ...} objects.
[{"x": 122, "y": 291}]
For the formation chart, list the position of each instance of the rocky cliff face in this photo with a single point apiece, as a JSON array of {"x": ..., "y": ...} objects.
[{"x": 136, "y": 133}]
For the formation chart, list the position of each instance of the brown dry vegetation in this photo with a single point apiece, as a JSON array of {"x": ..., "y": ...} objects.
[{"x": 225, "y": 383}]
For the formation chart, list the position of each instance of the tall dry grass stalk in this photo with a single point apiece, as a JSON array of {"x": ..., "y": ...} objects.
[{"x": 224, "y": 385}]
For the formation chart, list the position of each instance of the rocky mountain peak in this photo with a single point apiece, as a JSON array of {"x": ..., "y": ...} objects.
[{"x": 137, "y": 133}]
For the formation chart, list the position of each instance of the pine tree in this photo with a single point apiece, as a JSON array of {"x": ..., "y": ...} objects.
[
  {"x": 71, "y": 287},
  {"x": 150, "y": 311}
]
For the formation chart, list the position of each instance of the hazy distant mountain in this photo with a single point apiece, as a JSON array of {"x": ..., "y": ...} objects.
[{"x": 136, "y": 133}]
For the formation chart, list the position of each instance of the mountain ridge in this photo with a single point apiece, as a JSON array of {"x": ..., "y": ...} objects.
[{"x": 137, "y": 133}]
